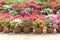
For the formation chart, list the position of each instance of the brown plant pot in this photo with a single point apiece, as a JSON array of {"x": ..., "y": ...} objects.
[
  {"x": 17, "y": 29},
  {"x": 1, "y": 29},
  {"x": 11, "y": 30},
  {"x": 26, "y": 29},
  {"x": 6, "y": 29},
  {"x": 50, "y": 30},
  {"x": 21, "y": 29},
  {"x": 58, "y": 29},
  {"x": 31, "y": 29},
  {"x": 38, "y": 30}
]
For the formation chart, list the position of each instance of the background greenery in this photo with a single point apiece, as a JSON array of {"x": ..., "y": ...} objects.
[{"x": 21, "y": 1}]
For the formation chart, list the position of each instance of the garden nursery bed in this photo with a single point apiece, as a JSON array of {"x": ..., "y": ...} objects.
[{"x": 29, "y": 16}]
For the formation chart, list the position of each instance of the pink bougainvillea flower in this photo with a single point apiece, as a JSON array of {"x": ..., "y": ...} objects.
[
  {"x": 35, "y": 12},
  {"x": 52, "y": 3},
  {"x": 1, "y": 16},
  {"x": 32, "y": 5},
  {"x": 40, "y": 17},
  {"x": 23, "y": 5},
  {"x": 58, "y": 16},
  {"x": 8, "y": 16},
  {"x": 38, "y": 7},
  {"x": 26, "y": 18},
  {"x": 32, "y": 18},
  {"x": 53, "y": 15},
  {"x": 15, "y": 5},
  {"x": 3, "y": 0},
  {"x": 25, "y": 12},
  {"x": 18, "y": 16},
  {"x": 54, "y": 10},
  {"x": 55, "y": 26},
  {"x": 54, "y": 20}
]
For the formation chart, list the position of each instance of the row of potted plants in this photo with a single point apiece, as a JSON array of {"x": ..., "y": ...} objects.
[
  {"x": 29, "y": 17},
  {"x": 10, "y": 23},
  {"x": 27, "y": 27}
]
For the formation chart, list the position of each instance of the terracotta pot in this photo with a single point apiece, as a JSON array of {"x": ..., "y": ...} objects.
[
  {"x": 21, "y": 29},
  {"x": 17, "y": 29},
  {"x": 26, "y": 29},
  {"x": 58, "y": 29},
  {"x": 1, "y": 29},
  {"x": 6, "y": 29},
  {"x": 11, "y": 30},
  {"x": 50, "y": 30},
  {"x": 38, "y": 30},
  {"x": 31, "y": 29}
]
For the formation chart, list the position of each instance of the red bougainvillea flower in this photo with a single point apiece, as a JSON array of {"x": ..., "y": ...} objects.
[
  {"x": 35, "y": 12},
  {"x": 16, "y": 6},
  {"x": 32, "y": 5}
]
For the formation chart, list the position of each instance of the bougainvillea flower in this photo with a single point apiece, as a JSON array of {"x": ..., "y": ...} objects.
[
  {"x": 55, "y": 26},
  {"x": 3, "y": 0},
  {"x": 32, "y": 5},
  {"x": 53, "y": 4},
  {"x": 26, "y": 18},
  {"x": 54, "y": 10},
  {"x": 32, "y": 18},
  {"x": 18, "y": 16},
  {"x": 35, "y": 12},
  {"x": 25, "y": 12},
  {"x": 15, "y": 5},
  {"x": 38, "y": 7},
  {"x": 23, "y": 5},
  {"x": 58, "y": 16}
]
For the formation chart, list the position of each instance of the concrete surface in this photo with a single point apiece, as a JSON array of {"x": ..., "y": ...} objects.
[{"x": 45, "y": 36}]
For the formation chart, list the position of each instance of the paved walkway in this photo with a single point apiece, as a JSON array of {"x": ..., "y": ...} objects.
[{"x": 12, "y": 36}]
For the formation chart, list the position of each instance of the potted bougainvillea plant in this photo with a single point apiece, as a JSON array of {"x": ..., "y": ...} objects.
[
  {"x": 50, "y": 28},
  {"x": 26, "y": 26},
  {"x": 39, "y": 24},
  {"x": 16, "y": 25},
  {"x": 1, "y": 26},
  {"x": 58, "y": 27},
  {"x": 6, "y": 25}
]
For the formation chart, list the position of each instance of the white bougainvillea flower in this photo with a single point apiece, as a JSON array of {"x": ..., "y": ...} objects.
[{"x": 19, "y": 21}]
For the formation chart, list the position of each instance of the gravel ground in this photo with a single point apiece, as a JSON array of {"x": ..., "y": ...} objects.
[{"x": 31, "y": 36}]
